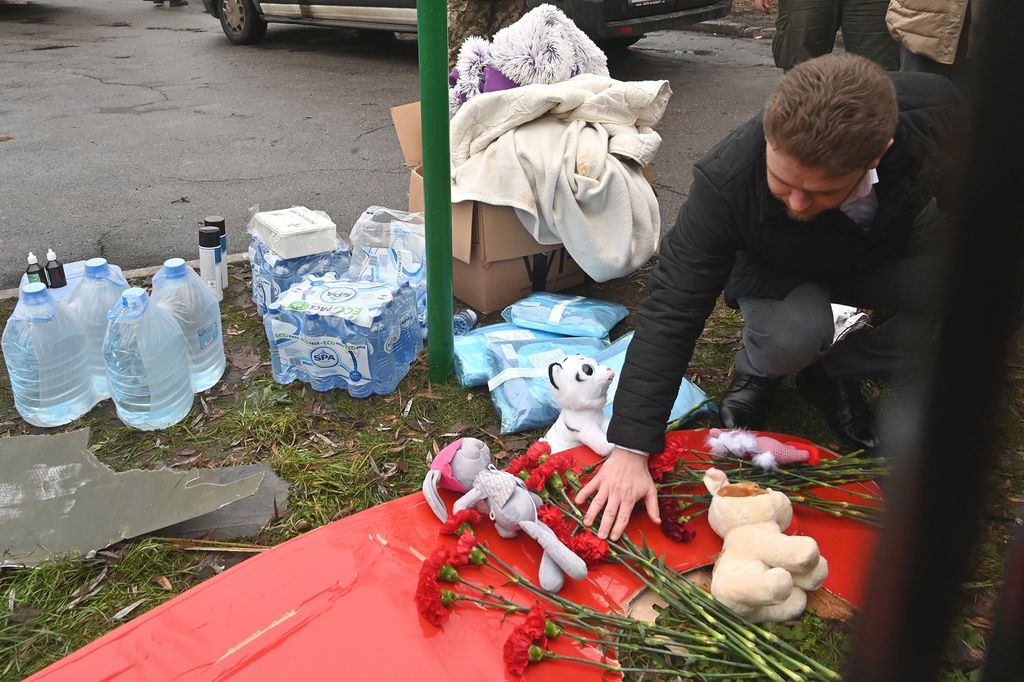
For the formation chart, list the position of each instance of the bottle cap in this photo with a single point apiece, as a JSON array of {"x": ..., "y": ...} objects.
[
  {"x": 32, "y": 260},
  {"x": 96, "y": 268},
  {"x": 34, "y": 292},
  {"x": 132, "y": 304},
  {"x": 209, "y": 236},
  {"x": 216, "y": 221},
  {"x": 50, "y": 255},
  {"x": 175, "y": 268}
]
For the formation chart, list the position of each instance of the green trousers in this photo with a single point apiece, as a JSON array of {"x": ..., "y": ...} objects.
[{"x": 807, "y": 28}]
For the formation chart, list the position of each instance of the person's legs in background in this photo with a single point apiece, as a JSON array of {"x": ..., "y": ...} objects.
[
  {"x": 804, "y": 29},
  {"x": 865, "y": 33},
  {"x": 780, "y": 337}
]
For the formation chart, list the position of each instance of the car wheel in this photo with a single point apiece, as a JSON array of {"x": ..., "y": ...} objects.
[{"x": 242, "y": 24}]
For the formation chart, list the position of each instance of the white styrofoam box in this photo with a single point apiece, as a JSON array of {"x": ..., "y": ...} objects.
[{"x": 295, "y": 232}]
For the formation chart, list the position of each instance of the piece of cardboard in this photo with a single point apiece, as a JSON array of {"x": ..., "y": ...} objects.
[
  {"x": 495, "y": 260},
  {"x": 490, "y": 287}
]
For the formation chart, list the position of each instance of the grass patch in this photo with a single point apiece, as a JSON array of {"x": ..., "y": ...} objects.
[{"x": 344, "y": 455}]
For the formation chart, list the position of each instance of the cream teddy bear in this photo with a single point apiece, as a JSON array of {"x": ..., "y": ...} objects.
[
  {"x": 761, "y": 573},
  {"x": 580, "y": 386}
]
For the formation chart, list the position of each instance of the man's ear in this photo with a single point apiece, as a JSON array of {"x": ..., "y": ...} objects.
[
  {"x": 551, "y": 373},
  {"x": 878, "y": 159}
]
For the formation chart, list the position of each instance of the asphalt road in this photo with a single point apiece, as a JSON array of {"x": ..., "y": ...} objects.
[{"x": 129, "y": 123}]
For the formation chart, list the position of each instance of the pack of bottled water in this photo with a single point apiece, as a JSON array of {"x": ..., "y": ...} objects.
[
  {"x": 390, "y": 246},
  {"x": 272, "y": 274},
  {"x": 338, "y": 332}
]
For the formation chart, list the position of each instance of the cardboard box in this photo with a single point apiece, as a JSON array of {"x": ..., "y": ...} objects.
[{"x": 495, "y": 261}]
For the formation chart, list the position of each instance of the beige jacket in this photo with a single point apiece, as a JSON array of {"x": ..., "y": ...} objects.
[{"x": 930, "y": 28}]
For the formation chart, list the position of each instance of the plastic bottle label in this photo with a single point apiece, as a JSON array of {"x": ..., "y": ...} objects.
[
  {"x": 207, "y": 335},
  {"x": 264, "y": 287},
  {"x": 322, "y": 356},
  {"x": 34, "y": 277}
]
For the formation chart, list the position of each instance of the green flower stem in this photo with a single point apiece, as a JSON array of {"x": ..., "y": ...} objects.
[
  {"x": 690, "y": 674},
  {"x": 675, "y": 424},
  {"x": 739, "y": 625}
]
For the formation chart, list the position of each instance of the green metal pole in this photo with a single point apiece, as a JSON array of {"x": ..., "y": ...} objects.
[{"x": 432, "y": 16}]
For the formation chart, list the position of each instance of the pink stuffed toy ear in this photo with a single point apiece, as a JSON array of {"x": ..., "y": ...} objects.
[{"x": 442, "y": 463}]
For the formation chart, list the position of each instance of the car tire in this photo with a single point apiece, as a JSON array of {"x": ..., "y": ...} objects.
[{"x": 242, "y": 24}]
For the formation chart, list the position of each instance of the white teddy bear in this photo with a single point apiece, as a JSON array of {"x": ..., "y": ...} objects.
[
  {"x": 580, "y": 386},
  {"x": 761, "y": 573}
]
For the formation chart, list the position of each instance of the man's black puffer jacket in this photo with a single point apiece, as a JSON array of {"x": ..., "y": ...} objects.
[{"x": 733, "y": 235}]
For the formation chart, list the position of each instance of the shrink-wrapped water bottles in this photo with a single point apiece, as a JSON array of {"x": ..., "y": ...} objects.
[
  {"x": 147, "y": 363},
  {"x": 332, "y": 332},
  {"x": 183, "y": 295},
  {"x": 97, "y": 292},
  {"x": 44, "y": 345},
  {"x": 272, "y": 274}
]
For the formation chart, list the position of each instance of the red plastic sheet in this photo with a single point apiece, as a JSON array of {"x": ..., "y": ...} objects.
[{"x": 337, "y": 603}]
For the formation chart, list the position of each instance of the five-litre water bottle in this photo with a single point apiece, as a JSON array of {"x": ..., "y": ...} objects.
[
  {"x": 44, "y": 345},
  {"x": 183, "y": 295},
  {"x": 147, "y": 363},
  {"x": 97, "y": 292}
]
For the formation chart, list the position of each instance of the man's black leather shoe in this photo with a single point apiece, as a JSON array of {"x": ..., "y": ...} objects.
[
  {"x": 843, "y": 406},
  {"x": 746, "y": 401}
]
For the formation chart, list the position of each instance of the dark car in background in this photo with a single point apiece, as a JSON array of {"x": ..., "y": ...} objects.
[{"x": 610, "y": 23}]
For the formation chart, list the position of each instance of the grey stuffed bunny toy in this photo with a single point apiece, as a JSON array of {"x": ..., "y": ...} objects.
[
  {"x": 513, "y": 508},
  {"x": 465, "y": 466}
]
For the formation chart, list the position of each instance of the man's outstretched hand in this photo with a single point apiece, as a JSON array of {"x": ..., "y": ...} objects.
[{"x": 618, "y": 485}]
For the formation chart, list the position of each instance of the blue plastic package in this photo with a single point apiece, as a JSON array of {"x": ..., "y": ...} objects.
[
  {"x": 272, "y": 275},
  {"x": 472, "y": 368},
  {"x": 566, "y": 315},
  {"x": 519, "y": 386},
  {"x": 688, "y": 398}
]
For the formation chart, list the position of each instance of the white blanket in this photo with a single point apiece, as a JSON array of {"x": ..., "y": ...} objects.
[{"x": 567, "y": 157}]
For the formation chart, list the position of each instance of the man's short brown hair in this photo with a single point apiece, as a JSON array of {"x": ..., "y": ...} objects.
[{"x": 835, "y": 112}]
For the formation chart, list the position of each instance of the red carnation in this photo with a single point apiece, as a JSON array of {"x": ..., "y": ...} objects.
[
  {"x": 532, "y": 457},
  {"x": 528, "y": 633},
  {"x": 455, "y": 521},
  {"x": 671, "y": 526},
  {"x": 540, "y": 475},
  {"x": 467, "y": 541},
  {"x": 662, "y": 463},
  {"x": 589, "y": 547},
  {"x": 428, "y": 592},
  {"x": 553, "y": 518}
]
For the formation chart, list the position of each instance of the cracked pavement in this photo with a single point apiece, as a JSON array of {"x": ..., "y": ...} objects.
[{"x": 119, "y": 109}]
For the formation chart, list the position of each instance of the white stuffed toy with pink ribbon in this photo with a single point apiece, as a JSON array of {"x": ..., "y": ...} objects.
[{"x": 764, "y": 451}]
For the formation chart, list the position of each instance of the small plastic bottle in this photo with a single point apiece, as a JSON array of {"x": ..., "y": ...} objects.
[
  {"x": 34, "y": 272},
  {"x": 44, "y": 349},
  {"x": 183, "y": 295},
  {"x": 54, "y": 271},
  {"x": 97, "y": 292},
  {"x": 463, "y": 321}
]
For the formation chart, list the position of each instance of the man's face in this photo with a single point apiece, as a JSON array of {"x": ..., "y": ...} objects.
[{"x": 808, "y": 191}]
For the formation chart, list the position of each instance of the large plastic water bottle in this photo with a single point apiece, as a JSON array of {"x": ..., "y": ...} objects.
[
  {"x": 183, "y": 295},
  {"x": 44, "y": 346},
  {"x": 147, "y": 364},
  {"x": 97, "y": 292}
]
